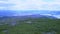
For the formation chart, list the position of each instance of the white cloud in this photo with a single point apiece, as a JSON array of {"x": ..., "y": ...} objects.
[
  {"x": 47, "y": 14},
  {"x": 57, "y": 16},
  {"x": 3, "y": 5},
  {"x": 3, "y": 8},
  {"x": 33, "y": 4},
  {"x": 3, "y": 0}
]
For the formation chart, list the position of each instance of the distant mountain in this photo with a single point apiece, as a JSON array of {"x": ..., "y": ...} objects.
[
  {"x": 31, "y": 13},
  {"x": 39, "y": 16},
  {"x": 6, "y": 13},
  {"x": 28, "y": 17},
  {"x": 55, "y": 12}
]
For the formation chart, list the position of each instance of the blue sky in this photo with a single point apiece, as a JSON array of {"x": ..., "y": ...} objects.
[{"x": 29, "y": 4}]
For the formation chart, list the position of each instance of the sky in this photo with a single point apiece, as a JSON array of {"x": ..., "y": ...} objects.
[
  {"x": 51, "y": 5},
  {"x": 30, "y": 5}
]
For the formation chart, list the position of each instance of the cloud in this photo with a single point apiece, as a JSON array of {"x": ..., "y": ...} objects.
[
  {"x": 3, "y": 8},
  {"x": 48, "y": 0},
  {"x": 4, "y": 4},
  {"x": 57, "y": 16},
  {"x": 3, "y": 0},
  {"x": 33, "y": 4}
]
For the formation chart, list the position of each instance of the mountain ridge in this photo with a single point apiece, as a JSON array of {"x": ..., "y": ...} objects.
[{"x": 26, "y": 13}]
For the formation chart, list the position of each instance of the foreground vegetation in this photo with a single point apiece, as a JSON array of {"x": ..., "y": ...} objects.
[{"x": 32, "y": 26}]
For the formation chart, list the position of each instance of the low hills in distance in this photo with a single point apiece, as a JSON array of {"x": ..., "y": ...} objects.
[{"x": 31, "y": 13}]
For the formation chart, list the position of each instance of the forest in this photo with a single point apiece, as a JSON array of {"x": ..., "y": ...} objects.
[{"x": 11, "y": 25}]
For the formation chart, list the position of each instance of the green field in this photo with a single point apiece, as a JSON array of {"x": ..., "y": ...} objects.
[{"x": 32, "y": 26}]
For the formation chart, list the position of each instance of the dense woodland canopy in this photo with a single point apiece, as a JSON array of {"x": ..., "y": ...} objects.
[{"x": 29, "y": 26}]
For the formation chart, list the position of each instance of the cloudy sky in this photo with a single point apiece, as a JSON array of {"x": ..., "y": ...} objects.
[{"x": 29, "y": 4}]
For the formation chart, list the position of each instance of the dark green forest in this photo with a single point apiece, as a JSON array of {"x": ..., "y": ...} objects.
[{"x": 30, "y": 26}]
